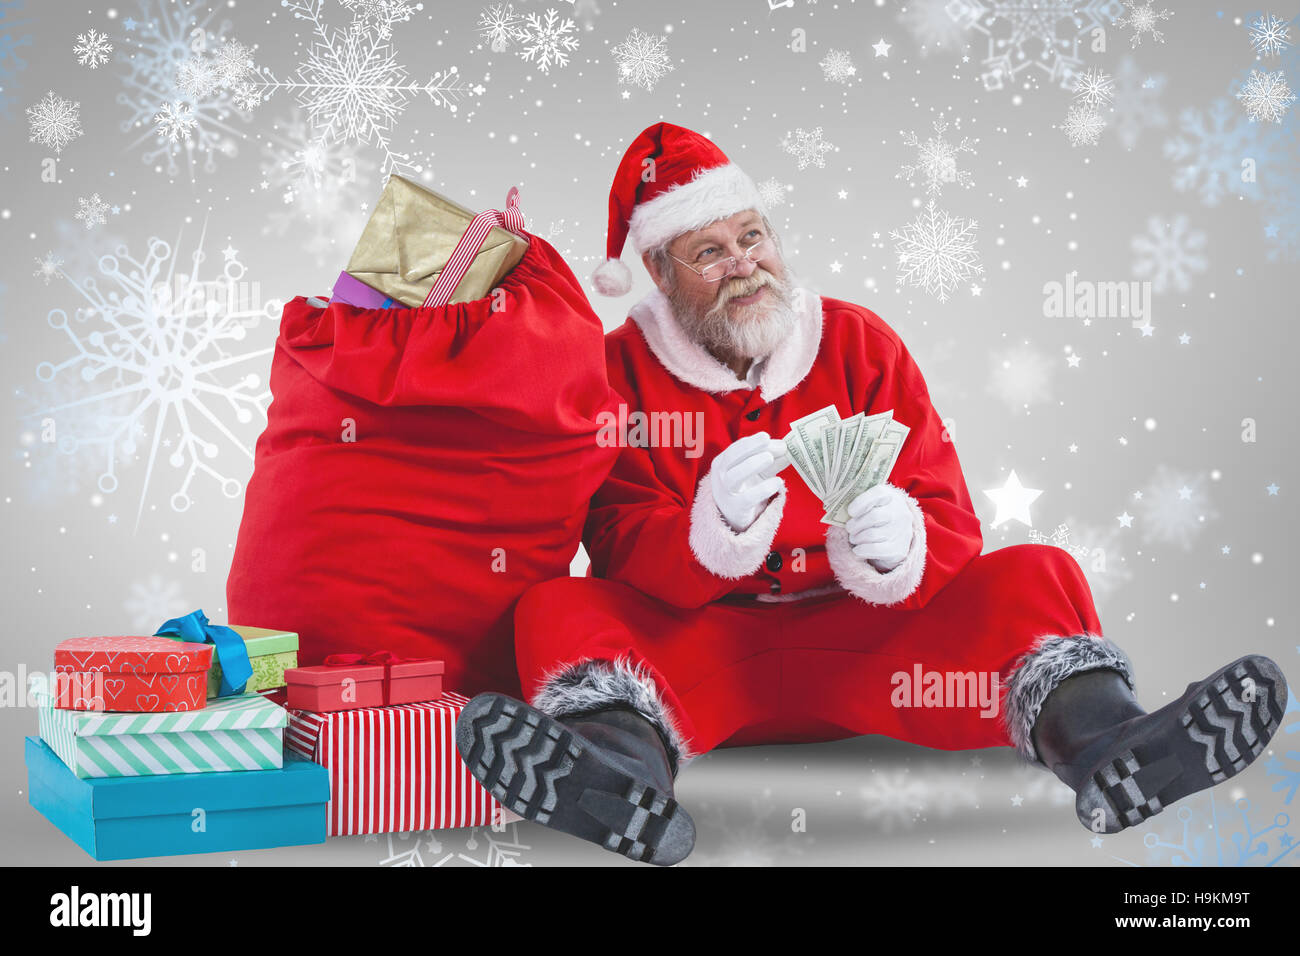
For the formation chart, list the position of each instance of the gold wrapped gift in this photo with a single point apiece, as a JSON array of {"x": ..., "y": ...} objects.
[{"x": 410, "y": 237}]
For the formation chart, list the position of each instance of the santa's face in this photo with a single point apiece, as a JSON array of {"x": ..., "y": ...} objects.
[{"x": 744, "y": 315}]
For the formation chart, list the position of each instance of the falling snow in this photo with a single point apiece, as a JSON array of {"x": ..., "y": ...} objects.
[
  {"x": 936, "y": 160},
  {"x": 1207, "y": 151},
  {"x": 499, "y": 24},
  {"x": 1143, "y": 17},
  {"x": 642, "y": 60},
  {"x": 54, "y": 122},
  {"x": 1266, "y": 96},
  {"x": 1083, "y": 125},
  {"x": 1094, "y": 88},
  {"x": 936, "y": 252},
  {"x": 773, "y": 192},
  {"x": 47, "y": 267},
  {"x": 838, "y": 67},
  {"x": 91, "y": 211},
  {"x": 547, "y": 39},
  {"x": 807, "y": 147},
  {"x": 175, "y": 121},
  {"x": 92, "y": 49},
  {"x": 1269, "y": 35}
]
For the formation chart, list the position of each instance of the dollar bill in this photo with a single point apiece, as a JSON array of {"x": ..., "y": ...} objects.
[
  {"x": 875, "y": 471},
  {"x": 805, "y": 446}
]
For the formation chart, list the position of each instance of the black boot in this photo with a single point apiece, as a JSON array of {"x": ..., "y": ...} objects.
[
  {"x": 1126, "y": 765},
  {"x": 604, "y": 775}
]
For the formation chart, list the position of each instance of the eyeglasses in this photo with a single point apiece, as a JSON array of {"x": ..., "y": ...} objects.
[{"x": 717, "y": 271}]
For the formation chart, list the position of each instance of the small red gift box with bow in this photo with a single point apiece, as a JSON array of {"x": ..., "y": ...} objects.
[{"x": 352, "y": 681}]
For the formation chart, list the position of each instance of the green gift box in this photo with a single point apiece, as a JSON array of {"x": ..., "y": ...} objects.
[
  {"x": 270, "y": 652},
  {"x": 234, "y": 733}
]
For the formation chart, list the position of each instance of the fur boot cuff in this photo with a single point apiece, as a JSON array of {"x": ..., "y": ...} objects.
[
  {"x": 589, "y": 685},
  {"x": 1038, "y": 671}
]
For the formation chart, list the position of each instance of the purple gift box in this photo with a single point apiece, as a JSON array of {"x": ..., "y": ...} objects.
[{"x": 352, "y": 291}]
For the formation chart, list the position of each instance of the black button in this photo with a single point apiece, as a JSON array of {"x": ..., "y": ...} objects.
[
  {"x": 775, "y": 588},
  {"x": 774, "y": 562},
  {"x": 753, "y": 416}
]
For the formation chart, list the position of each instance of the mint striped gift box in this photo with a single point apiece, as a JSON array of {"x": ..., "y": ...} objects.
[{"x": 232, "y": 733}]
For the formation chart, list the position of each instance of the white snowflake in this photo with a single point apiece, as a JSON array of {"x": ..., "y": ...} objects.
[
  {"x": 936, "y": 160},
  {"x": 197, "y": 77},
  {"x": 380, "y": 15},
  {"x": 547, "y": 39},
  {"x": 772, "y": 192},
  {"x": 894, "y": 799},
  {"x": 175, "y": 121},
  {"x": 1103, "y": 560},
  {"x": 153, "y": 601},
  {"x": 1083, "y": 125},
  {"x": 92, "y": 49},
  {"x": 499, "y": 25},
  {"x": 165, "y": 342},
  {"x": 354, "y": 88},
  {"x": 936, "y": 252},
  {"x": 245, "y": 96},
  {"x": 1143, "y": 17},
  {"x": 54, "y": 122},
  {"x": 1266, "y": 96},
  {"x": 47, "y": 266},
  {"x": 484, "y": 846},
  {"x": 1027, "y": 35},
  {"x": 1093, "y": 87},
  {"x": 233, "y": 63},
  {"x": 807, "y": 147},
  {"x": 642, "y": 59},
  {"x": 1269, "y": 35},
  {"x": 170, "y": 33},
  {"x": 91, "y": 211},
  {"x": 838, "y": 67},
  {"x": 1168, "y": 254},
  {"x": 1137, "y": 102}
]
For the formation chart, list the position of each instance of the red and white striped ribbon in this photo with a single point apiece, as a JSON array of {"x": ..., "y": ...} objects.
[{"x": 470, "y": 243}]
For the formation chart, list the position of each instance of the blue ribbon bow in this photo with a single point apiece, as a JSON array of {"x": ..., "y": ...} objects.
[{"x": 232, "y": 653}]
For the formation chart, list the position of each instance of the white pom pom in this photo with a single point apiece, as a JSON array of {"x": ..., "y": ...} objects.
[{"x": 612, "y": 277}]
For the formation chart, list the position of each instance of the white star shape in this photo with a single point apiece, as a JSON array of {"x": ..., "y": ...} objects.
[
  {"x": 1074, "y": 359},
  {"x": 882, "y": 48},
  {"x": 1125, "y": 520},
  {"x": 1022, "y": 182},
  {"x": 1012, "y": 500}
]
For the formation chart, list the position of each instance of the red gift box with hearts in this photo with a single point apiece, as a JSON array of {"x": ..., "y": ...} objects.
[{"x": 135, "y": 674}]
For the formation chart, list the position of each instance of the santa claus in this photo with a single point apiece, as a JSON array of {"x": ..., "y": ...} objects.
[{"x": 721, "y": 611}]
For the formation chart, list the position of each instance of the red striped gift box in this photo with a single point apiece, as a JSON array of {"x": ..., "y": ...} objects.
[{"x": 394, "y": 769}]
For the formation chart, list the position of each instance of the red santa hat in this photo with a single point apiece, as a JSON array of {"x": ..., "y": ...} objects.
[{"x": 671, "y": 180}]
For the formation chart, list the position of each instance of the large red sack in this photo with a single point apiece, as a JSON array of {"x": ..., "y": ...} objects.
[{"x": 474, "y": 458}]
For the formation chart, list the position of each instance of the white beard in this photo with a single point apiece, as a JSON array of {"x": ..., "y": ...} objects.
[{"x": 748, "y": 336}]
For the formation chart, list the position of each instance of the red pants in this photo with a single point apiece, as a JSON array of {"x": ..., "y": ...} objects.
[{"x": 741, "y": 672}]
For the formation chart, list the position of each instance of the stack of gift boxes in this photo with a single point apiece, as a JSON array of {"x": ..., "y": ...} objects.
[{"x": 175, "y": 744}]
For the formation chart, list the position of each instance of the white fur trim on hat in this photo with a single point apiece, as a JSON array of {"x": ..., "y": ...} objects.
[
  {"x": 612, "y": 277},
  {"x": 712, "y": 195},
  {"x": 862, "y": 580},
  {"x": 690, "y": 362},
  {"x": 724, "y": 552}
]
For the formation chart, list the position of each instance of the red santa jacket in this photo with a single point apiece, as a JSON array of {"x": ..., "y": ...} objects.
[{"x": 654, "y": 525}]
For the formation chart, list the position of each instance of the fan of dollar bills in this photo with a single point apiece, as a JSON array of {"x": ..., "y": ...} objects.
[{"x": 839, "y": 460}]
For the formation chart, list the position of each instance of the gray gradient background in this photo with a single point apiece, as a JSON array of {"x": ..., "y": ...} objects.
[{"x": 1148, "y": 414}]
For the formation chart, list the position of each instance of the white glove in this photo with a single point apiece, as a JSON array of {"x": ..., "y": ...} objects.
[
  {"x": 880, "y": 527},
  {"x": 743, "y": 478}
]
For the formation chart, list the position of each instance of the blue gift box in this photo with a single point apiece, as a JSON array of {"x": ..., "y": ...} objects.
[{"x": 122, "y": 818}]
